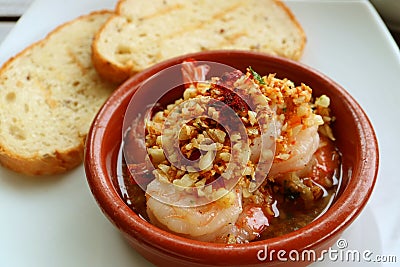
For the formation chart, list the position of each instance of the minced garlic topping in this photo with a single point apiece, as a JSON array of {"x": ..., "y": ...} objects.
[{"x": 290, "y": 107}]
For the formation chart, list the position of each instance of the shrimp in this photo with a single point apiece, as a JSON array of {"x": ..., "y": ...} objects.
[
  {"x": 305, "y": 144},
  {"x": 251, "y": 222},
  {"x": 192, "y": 73},
  {"x": 324, "y": 164},
  {"x": 191, "y": 221},
  {"x": 227, "y": 220},
  {"x": 256, "y": 142},
  {"x": 319, "y": 175}
]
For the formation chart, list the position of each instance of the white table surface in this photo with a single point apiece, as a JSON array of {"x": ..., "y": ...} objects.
[
  {"x": 55, "y": 221},
  {"x": 10, "y": 11}
]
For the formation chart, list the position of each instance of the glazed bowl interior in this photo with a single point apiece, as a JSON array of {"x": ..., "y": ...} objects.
[{"x": 355, "y": 140}]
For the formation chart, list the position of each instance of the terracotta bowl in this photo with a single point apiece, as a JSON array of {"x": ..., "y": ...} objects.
[{"x": 355, "y": 139}]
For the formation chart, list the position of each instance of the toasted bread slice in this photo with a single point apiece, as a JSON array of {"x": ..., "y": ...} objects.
[
  {"x": 142, "y": 33},
  {"x": 49, "y": 95}
]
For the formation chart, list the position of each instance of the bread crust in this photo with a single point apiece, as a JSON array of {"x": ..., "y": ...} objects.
[
  {"x": 57, "y": 163},
  {"x": 61, "y": 159},
  {"x": 111, "y": 70},
  {"x": 298, "y": 25},
  {"x": 106, "y": 69},
  {"x": 50, "y": 34}
]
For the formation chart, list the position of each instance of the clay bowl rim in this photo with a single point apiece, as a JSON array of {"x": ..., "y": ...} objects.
[{"x": 342, "y": 213}]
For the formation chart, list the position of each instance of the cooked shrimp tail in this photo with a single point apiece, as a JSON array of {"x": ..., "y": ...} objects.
[{"x": 192, "y": 73}]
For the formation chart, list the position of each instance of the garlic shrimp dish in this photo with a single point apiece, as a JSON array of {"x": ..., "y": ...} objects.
[{"x": 236, "y": 158}]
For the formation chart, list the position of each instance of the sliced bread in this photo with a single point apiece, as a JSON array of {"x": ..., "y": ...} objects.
[
  {"x": 49, "y": 95},
  {"x": 142, "y": 33}
]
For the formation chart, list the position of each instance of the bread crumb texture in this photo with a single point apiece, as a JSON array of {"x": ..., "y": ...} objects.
[
  {"x": 49, "y": 95},
  {"x": 146, "y": 32}
]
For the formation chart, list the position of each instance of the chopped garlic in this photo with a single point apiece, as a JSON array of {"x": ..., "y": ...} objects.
[{"x": 323, "y": 101}]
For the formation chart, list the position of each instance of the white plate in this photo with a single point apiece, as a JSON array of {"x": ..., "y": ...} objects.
[{"x": 55, "y": 221}]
